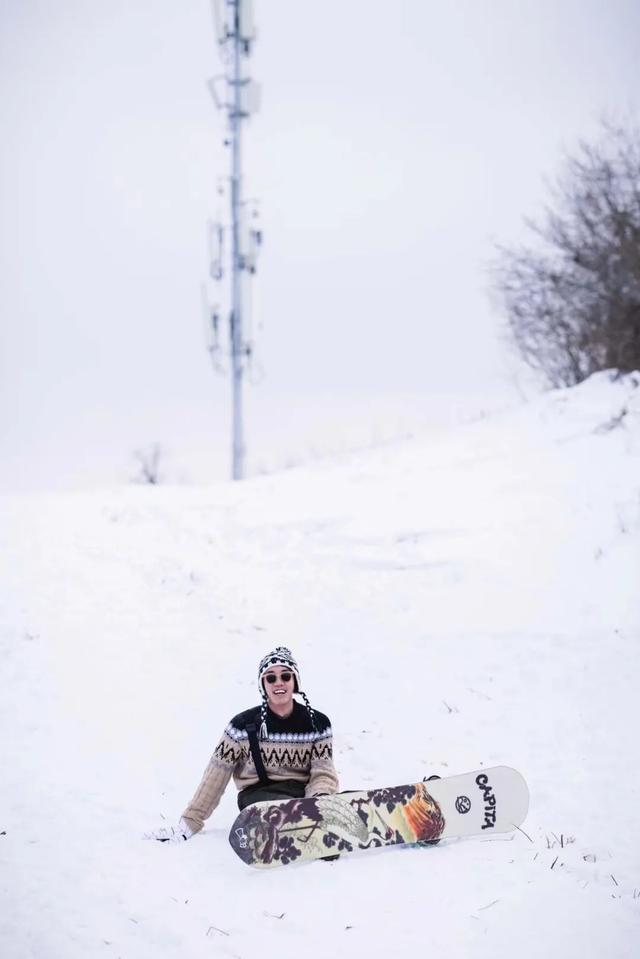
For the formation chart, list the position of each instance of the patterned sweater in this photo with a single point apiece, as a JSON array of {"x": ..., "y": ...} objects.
[{"x": 293, "y": 750}]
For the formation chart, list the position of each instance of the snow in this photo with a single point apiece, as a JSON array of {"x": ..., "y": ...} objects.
[{"x": 463, "y": 598}]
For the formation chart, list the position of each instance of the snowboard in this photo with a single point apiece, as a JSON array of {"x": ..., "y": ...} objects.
[{"x": 478, "y": 803}]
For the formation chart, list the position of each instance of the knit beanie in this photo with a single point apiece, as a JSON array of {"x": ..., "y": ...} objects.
[{"x": 280, "y": 656}]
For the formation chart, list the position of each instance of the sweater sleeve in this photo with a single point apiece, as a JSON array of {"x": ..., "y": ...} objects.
[
  {"x": 323, "y": 778},
  {"x": 215, "y": 780}
]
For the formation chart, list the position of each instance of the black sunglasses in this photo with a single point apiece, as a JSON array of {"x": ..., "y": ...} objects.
[{"x": 271, "y": 678}]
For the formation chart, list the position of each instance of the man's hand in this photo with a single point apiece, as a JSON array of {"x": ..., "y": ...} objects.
[{"x": 179, "y": 833}]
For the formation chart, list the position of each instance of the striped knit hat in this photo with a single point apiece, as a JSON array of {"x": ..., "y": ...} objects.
[{"x": 280, "y": 656}]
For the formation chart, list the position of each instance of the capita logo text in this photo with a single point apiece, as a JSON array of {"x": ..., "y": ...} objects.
[{"x": 489, "y": 800}]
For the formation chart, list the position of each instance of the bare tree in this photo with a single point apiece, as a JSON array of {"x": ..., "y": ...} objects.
[
  {"x": 149, "y": 463},
  {"x": 573, "y": 301}
]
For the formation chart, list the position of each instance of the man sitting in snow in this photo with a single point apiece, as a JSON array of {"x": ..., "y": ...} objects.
[{"x": 293, "y": 742}]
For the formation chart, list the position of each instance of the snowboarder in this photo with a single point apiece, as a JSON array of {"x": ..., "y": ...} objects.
[{"x": 280, "y": 749}]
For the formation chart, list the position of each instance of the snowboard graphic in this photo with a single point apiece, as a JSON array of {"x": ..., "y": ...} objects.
[{"x": 295, "y": 830}]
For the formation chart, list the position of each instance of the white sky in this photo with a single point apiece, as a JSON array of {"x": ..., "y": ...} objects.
[{"x": 395, "y": 143}]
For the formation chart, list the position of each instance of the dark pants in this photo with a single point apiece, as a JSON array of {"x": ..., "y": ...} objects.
[{"x": 287, "y": 789}]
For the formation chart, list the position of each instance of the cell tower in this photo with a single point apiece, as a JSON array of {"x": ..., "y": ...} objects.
[{"x": 238, "y": 95}]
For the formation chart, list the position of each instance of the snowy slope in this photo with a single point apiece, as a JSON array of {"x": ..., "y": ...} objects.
[{"x": 460, "y": 599}]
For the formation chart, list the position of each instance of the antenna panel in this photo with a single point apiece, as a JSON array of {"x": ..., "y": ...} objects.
[
  {"x": 221, "y": 20},
  {"x": 247, "y": 20},
  {"x": 250, "y": 97}
]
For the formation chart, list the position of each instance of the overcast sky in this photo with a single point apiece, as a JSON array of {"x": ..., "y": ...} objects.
[{"x": 396, "y": 142}]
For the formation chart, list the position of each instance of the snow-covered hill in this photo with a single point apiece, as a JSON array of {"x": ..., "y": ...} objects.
[{"x": 464, "y": 598}]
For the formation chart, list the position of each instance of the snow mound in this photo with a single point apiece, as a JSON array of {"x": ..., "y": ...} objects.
[{"x": 460, "y": 599}]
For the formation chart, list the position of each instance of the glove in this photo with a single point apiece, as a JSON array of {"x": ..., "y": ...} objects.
[{"x": 179, "y": 833}]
